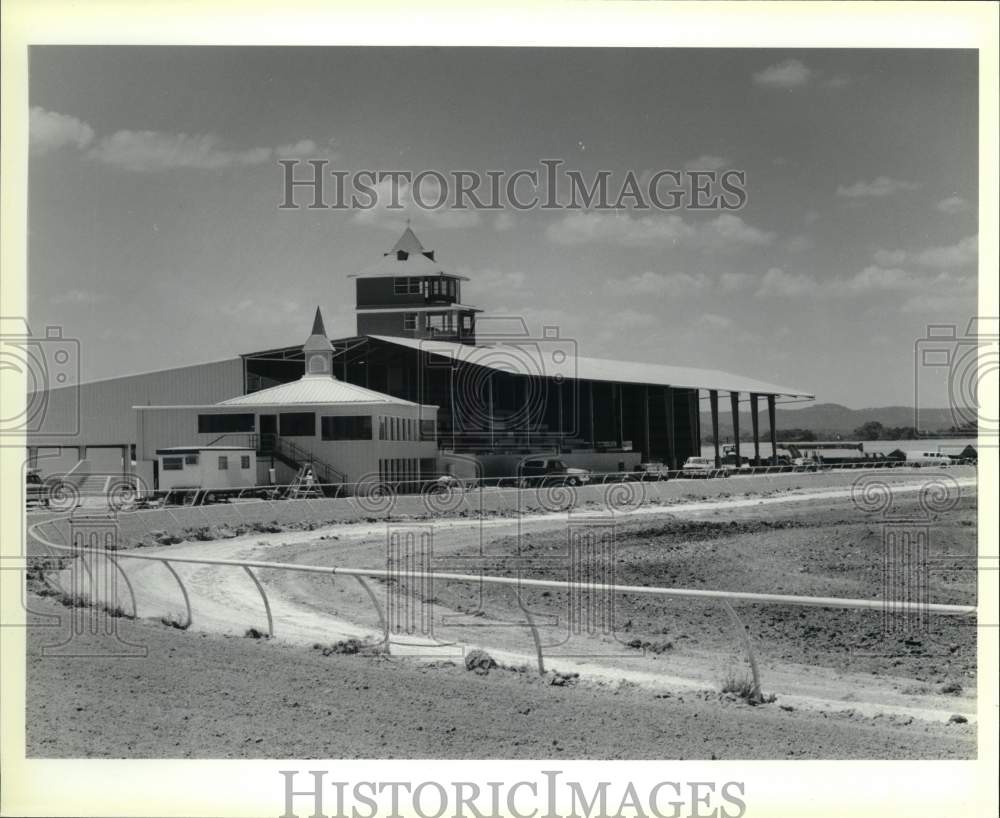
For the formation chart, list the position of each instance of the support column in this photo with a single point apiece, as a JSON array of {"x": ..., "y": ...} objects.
[
  {"x": 713, "y": 402},
  {"x": 668, "y": 407},
  {"x": 619, "y": 434},
  {"x": 489, "y": 383},
  {"x": 559, "y": 401},
  {"x": 590, "y": 402},
  {"x": 755, "y": 424},
  {"x": 774, "y": 433},
  {"x": 734, "y": 404},
  {"x": 646, "y": 444}
]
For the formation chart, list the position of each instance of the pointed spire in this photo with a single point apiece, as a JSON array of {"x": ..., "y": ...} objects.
[
  {"x": 318, "y": 328},
  {"x": 408, "y": 243},
  {"x": 317, "y": 350}
]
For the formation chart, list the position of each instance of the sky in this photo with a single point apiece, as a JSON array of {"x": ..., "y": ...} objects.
[{"x": 156, "y": 237}]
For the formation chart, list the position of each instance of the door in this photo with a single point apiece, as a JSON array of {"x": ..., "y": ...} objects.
[{"x": 268, "y": 432}]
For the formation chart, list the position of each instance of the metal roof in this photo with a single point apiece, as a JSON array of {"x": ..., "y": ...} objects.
[
  {"x": 313, "y": 389},
  {"x": 451, "y": 307},
  {"x": 414, "y": 265},
  {"x": 557, "y": 357}
]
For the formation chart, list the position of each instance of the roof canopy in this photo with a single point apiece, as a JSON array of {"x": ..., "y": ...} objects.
[
  {"x": 313, "y": 390},
  {"x": 548, "y": 358}
]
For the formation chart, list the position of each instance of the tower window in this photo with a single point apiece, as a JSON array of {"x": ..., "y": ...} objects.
[
  {"x": 409, "y": 320},
  {"x": 406, "y": 286}
]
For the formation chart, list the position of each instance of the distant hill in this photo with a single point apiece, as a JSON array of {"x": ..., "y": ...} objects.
[{"x": 829, "y": 419}]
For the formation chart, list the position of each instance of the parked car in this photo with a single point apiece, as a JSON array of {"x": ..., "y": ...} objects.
[
  {"x": 701, "y": 467},
  {"x": 928, "y": 459},
  {"x": 651, "y": 471},
  {"x": 36, "y": 490},
  {"x": 551, "y": 471}
]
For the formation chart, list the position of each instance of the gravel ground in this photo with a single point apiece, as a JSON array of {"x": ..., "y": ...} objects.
[{"x": 200, "y": 695}]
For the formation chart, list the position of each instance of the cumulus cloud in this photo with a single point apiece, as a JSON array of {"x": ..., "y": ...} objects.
[
  {"x": 952, "y": 205},
  {"x": 650, "y": 283},
  {"x": 879, "y": 187},
  {"x": 876, "y": 278},
  {"x": 396, "y": 201},
  {"x": 776, "y": 282},
  {"x": 150, "y": 151},
  {"x": 707, "y": 161},
  {"x": 962, "y": 254},
  {"x": 724, "y": 232},
  {"x": 49, "y": 131},
  {"x": 787, "y": 74}
]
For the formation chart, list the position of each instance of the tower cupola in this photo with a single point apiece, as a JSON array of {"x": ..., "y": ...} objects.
[{"x": 318, "y": 350}]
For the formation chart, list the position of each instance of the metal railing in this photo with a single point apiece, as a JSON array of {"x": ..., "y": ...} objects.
[{"x": 41, "y": 532}]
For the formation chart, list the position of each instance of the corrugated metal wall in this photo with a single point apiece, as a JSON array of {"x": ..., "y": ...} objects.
[{"x": 101, "y": 414}]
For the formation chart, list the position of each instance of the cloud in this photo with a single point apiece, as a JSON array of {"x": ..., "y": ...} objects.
[
  {"x": 876, "y": 278},
  {"x": 787, "y": 74},
  {"x": 707, "y": 162},
  {"x": 76, "y": 296},
  {"x": 776, "y": 282},
  {"x": 582, "y": 227},
  {"x": 49, "y": 131},
  {"x": 964, "y": 253},
  {"x": 715, "y": 321},
  {"x": 879, "y": 187},
  {"x": 724, "y": 232},
  {"x": 151, "y": 151},
  {"x": 303, "y": 149},
  {"x": 890, "y": 258},
  {"x": 952, "y": 205},
  {"x": 838, "y": 81},
  {"x": 650, "y": 283},
  {"x": 503, "y": 222},
  {"x": 395, "y": 202}
]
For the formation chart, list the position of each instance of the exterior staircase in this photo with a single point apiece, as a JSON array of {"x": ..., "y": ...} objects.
[{"x": 327, "y": 480}]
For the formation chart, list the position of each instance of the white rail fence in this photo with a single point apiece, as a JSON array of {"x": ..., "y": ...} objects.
[{"x": 47, "y": 532}]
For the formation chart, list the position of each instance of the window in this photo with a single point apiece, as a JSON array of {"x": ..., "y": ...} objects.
[
  {"x": 440, "y": 322},
  {"x": 349, "y": 427},
  {"x": 191, "y": 459},
  {"x": 223, "y": 462},
  {"x": 297, "y": 424},
  {"x": 224, "y": 424},
  {"x": 173, "y": 464},
  {"x": 409, "y": 320},
  {"x": 406, "y": 286},
  {"x": 244, "y": 461}
]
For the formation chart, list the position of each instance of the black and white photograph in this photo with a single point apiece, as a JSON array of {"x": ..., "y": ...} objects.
[{"x": 464, "y": 402}]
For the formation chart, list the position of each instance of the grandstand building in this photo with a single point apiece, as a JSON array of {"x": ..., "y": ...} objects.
[{"x": 468, "y": 389}]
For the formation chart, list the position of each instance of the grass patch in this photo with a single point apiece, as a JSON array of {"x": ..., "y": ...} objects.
[{"x": 174, "y": 621}]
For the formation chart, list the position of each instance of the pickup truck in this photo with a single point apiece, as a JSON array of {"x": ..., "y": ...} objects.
[{"x": 549, "y": 471}]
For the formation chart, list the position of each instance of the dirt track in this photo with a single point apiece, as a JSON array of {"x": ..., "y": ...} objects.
[
  {"x": 210, "y": 696},
  {"x": 833, "y": 668}
]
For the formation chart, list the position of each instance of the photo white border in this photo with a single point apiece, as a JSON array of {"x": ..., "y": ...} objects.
[{"x": 249, "y": 788}]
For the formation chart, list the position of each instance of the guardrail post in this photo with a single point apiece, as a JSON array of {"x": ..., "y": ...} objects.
[
  {"x": 534, "y": 633},
  {"x": 748, "y": 646},
  {"x": 263, "y": 595},
  {"x": 128, "y": 584},
  {"x": 187, "y": 601},
  {"x": 383, "y": 622}
]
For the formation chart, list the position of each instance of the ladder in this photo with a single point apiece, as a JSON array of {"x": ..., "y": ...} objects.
[{"x": 304, "y": 484}]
